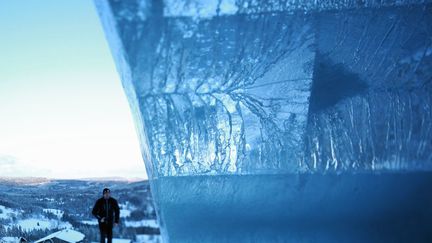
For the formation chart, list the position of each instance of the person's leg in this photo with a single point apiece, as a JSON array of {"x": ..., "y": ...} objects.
[
  {"x": 109, "y": 233},
  {"x": 103, "y": 234}
]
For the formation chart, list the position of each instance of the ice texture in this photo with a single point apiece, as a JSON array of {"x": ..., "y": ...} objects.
[
  {"x": 246, "y": 109},
  {"x": 370, "y": 107},
  {"x": 225, "y": 95}
]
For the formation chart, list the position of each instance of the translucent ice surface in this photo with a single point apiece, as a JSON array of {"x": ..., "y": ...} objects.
[{"x": 276, "y": 121}]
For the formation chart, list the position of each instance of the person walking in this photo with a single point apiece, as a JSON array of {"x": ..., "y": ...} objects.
[{"x": 107, "y": 212}]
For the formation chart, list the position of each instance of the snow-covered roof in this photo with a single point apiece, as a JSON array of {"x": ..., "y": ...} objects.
[
  {"x": 67, "y": 235},
  {"x": 11, "y": 239}
]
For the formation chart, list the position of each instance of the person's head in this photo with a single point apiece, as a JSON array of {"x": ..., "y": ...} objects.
[{"x": 106, "y": 193}]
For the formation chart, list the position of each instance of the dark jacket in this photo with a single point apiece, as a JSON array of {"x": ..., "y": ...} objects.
[{"x": 108, "y": 209}]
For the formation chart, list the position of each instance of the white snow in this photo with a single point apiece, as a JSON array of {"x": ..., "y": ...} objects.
[
  {"x": 7, "y": 213},
  {"x": 67, "y": 235},
  {"x": 42, "y": 223},
  {"x": 126, "y": 209},
  {"x": 148, "y": 238},
  {"x": 125, "y": 213},
  {"x": 143, "y": 223},
  {"x": 118, "y": 240},
  {"x": 9, "y": 239},
  {"x": 89, "y": 222},
  {"x": 59, "y": 213},
  {"x": 30, "y": 224}
]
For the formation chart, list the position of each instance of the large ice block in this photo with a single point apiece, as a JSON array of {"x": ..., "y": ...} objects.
[
  {"x": 370, "y": 107},
  {"x": 218, "y": 95},
  {"x": 281, "y": 121}
]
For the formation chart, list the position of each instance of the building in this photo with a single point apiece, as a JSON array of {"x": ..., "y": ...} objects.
[
  {"x": 63, "y": 236},
  {"x": 13, "y": 240}
]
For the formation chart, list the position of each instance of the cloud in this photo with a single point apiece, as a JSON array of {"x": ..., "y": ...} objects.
[
  {"x": 7, "y": 160},
  {"x": 11, "y": 166}
]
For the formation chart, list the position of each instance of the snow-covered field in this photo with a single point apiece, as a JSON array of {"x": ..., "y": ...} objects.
[
  {"x": 89, "y": 222},
  {"x": 139, "y": 239},
  {"x": 148, "y": 238},
  {"x": 126, "y": 209},
  {"x": 42, "y": 223},
  {"x": 7, "y": 213},
  {"x": 59, "y": 213},
  {"x": 45, "y": 199},
  {"x": 143, "y": 223},
  {"x": 124, "y": 213},
  {"x": 117, "y": 240},
  {"x": 33, "y": 222}
]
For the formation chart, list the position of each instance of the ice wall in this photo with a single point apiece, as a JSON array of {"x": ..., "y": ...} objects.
[
  {"x": 263, "y": 87},
  {"x": 220, "y": 95},
  {"x": 370, "y": 107},
  {"x": 270, "y": 88}
]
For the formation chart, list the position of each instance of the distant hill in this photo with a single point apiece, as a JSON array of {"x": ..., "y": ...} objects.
[
  {"x": 133, "y": 179},
  {"x": 24, "y": 180}
]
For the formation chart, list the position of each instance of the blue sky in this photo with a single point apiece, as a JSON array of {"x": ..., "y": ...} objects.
[{"x": 63, "y": 113}]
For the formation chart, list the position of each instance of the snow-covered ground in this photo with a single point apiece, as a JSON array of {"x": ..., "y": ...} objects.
[
  {"x": 42, "y": 223},
  {"x": 143, "y": 223},
  {"x": 59, "y": 213},
  {"x": 89, "y": 222},
  {"x": 117, "y": 240},
  {"x": 66, "y": 235},
  {"x": 7, "y": 213},
  {"x": 139, "y": 239},
  {"x": 148, "y": 238},
  {"x": 33, "y": 222},
  {"x": 126, "y": 209},
  {"x": 9, "y": 239},
  {"x": 124, "y": 213}
]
